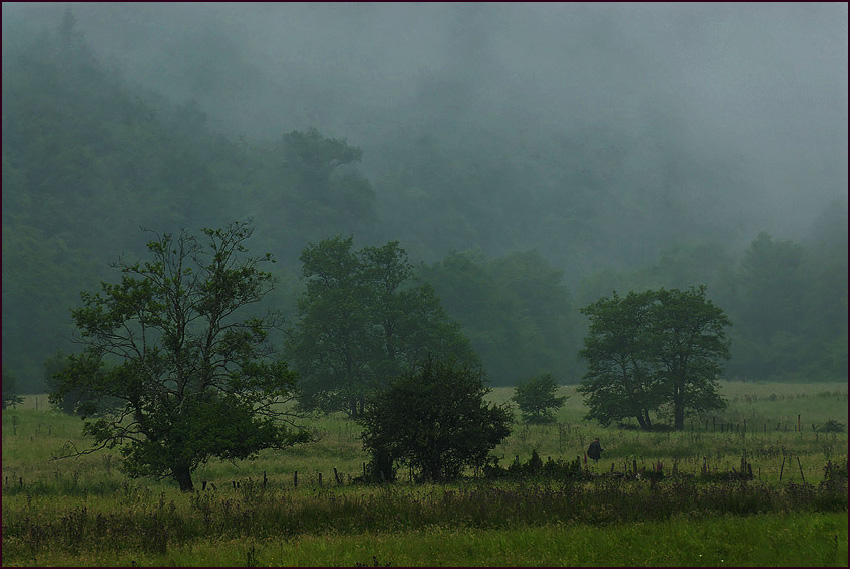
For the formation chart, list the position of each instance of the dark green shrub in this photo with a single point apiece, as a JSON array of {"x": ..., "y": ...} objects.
[
  {"x": 835, "y": 473},
  {"x": 434, "y": 420},
  {"x": 831, "y": 426}
]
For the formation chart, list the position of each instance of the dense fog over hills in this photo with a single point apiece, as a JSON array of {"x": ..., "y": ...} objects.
[
  {"x": 599, "y": 135},
  {"x": 723, "y": 119}
]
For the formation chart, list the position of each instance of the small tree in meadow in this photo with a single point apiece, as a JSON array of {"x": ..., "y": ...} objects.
[
  {"x": 10, "y": 389},
  {"x": 536, "y": 399}
]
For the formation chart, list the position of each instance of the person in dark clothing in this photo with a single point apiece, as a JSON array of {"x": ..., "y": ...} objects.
[{"x": 595, "y": 449}]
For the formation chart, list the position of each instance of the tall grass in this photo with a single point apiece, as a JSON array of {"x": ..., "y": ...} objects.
[
  {"x": 793, "y": 540},
  {"x": 136, "y": 519},
  {"x": 85, "y": 512}
]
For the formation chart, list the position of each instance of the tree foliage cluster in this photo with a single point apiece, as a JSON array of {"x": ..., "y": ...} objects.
[
  {"x": 177, "y": 367},
  {"x": 654, "y": 352},
  {"x": 788, "y": 299},
  {"x": 516, "y": 310},
  {"x": 434, "y": 420},
  {"x": 74, "y": 400},
  {"x": 10, "y": 389},
  {"x": 536, "y": 399},
  {"x": 362, "y": 320}
]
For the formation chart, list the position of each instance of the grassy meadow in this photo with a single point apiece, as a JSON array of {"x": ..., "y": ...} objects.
[{"x": 655, "y": 498}]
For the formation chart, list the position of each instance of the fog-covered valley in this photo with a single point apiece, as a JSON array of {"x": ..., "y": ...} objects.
[{"x": 556, "y": 151}]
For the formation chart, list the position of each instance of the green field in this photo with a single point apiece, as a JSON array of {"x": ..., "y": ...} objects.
[{"x": 85, "y": 512}]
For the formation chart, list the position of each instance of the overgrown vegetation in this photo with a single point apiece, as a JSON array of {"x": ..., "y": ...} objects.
[
  {"x": 768, "y": 473},
  {"x": 151, "y": 523}
]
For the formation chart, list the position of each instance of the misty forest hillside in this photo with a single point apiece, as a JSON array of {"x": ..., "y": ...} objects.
[{"x": 529, "y": 158}]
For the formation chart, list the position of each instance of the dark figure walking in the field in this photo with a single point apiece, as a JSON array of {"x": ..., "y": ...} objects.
[{"x": 594, "y": 451}]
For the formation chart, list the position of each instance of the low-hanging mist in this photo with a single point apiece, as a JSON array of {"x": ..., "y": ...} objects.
[{"x": 611, "y": 145}]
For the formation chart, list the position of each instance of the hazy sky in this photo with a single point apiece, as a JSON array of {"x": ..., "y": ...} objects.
[{"x": 753, "y": 92}]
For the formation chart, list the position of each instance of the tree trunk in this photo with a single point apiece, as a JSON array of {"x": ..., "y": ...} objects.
[
  {"x": 643, "y": 420},
  {"x": 183, "y": 477},
  {"x": 679, "y": 412},
  {"x": 647, "y": 419}
]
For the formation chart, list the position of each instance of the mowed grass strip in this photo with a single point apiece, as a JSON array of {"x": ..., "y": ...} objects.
[{"x": 792, "y": 540}]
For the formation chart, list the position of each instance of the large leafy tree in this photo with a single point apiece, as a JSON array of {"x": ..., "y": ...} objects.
[
  {"x": 652, "y": 351},
  {"x": 408, "y": 316},
  {"x": 620, "y": 382},
  {"x": 361, "y": 321},
  {"x": 689, "y": 343},
  {"x": 174, "y": 343},
  {"x": 327, "y": 344},
  {"x": 433, "y": 419}
]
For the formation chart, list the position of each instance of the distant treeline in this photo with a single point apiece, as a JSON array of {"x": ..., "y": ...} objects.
[{"x": 88, "y": 159}]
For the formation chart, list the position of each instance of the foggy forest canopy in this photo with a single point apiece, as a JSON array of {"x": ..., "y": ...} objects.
[{"x": 529, "y": 158}]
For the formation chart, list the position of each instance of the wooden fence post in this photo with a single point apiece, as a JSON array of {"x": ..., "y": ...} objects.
[{"x": 803, "y": 476}]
